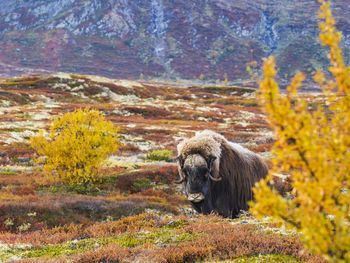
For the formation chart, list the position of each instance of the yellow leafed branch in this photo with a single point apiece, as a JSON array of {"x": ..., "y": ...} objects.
[
  {"x": 76, "y": 146},
  {"x": 313, "y": 147}
]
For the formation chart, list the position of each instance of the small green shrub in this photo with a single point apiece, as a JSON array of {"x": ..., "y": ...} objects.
[
  {"x": 160, "y": 155},
  {"x": 7, "y": 172},
  {"x": 17, "y": 130},
  {"x": 83, "y": 189},
  {"x": 141, "y": 184}
]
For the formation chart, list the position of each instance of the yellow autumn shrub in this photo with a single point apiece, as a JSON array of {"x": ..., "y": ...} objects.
[
  {"x": 313, "y": 147},
  {"x": 76, "y": 146}
]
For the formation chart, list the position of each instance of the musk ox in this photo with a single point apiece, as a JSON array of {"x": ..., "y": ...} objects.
[{"x": 218, "y": 175}]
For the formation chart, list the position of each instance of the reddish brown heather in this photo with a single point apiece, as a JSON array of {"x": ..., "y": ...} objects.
[
  {"x": 129, "y": 148},
  {"x": 61, "y": 234},
  {"x": 163, "y": 174},
  {"x": 217, "y": 241},
  {"x": 15, "y": 150},
  {"x": 261, "y": 148},
  {"x": 55, "y": 210}
]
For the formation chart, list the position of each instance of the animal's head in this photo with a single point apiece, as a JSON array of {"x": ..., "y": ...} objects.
[{"x": 196, "y": 175}]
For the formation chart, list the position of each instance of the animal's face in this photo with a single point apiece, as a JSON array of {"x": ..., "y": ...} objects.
[{"x": 195, "y": 173}]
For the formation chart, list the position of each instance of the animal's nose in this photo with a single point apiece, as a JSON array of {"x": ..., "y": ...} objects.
[{"x": 197, "y": 197}]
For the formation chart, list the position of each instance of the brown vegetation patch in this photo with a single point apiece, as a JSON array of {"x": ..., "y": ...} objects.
[
  {"x": 266, "y": 147},
  {"x": 148, "y": 111},
  {"x": 16, "y": 150},
  {"x": 14, "y": 97},
  {"x": 117, "y": 88},
  {"x": 163, "y": 174},
  {"x": 68, "y": 232},
  {"x": 218, "y": 241},
  {"x": 55, "y": 210}
]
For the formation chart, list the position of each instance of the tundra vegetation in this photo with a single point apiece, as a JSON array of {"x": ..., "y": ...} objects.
[{"x": 135, "y": 211}]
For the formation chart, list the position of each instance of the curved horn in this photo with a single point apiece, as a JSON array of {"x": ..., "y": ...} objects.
[
  {"x": 215, "y": 179},
  {"x": 210, "y": 161},
  {"x": 179, "y": 181},
  {"x": 180, "y": 160}
]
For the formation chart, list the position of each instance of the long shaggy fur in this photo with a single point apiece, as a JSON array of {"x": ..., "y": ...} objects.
[{"x": 239, "y": 168}]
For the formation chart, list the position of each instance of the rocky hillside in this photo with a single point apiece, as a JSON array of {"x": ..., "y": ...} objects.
[{"x": 163, "y": 38}]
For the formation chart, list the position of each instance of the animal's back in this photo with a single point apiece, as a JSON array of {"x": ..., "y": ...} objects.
[{"x": 242, "y": 168}]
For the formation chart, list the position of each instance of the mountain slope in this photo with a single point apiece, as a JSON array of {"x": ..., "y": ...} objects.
[{"x": 162, "y": 38}]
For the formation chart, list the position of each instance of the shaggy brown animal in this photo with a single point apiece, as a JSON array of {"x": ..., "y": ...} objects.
[{"x": 218, "y": 175}]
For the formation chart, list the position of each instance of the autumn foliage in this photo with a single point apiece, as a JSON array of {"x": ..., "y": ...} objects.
[
  {"x": 313, "y": 147},
  {"x": 76, "y": 146}
]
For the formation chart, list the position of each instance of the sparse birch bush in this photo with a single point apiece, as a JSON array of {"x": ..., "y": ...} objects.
[
  {"x": 314, "y": 148},
  {"x": 76, "y": 146}
]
